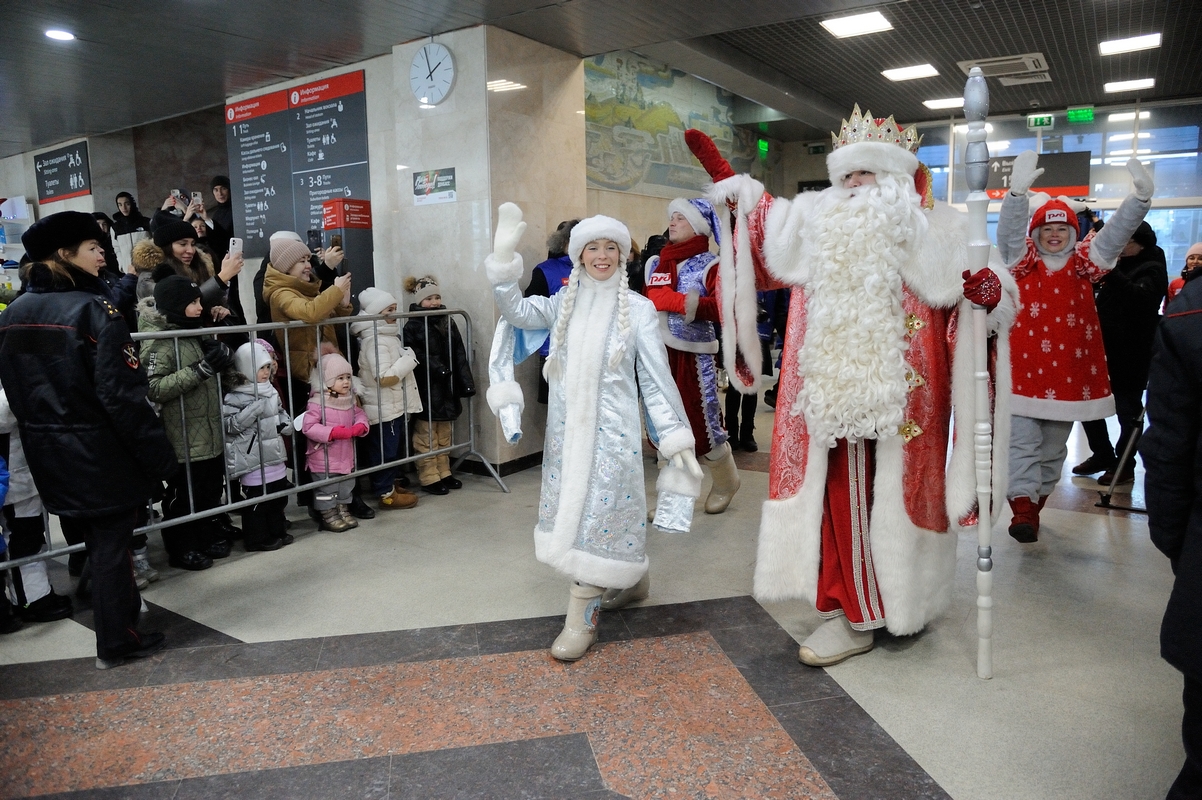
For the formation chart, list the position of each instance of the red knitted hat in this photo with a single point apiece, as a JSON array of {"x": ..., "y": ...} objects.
[{"x": 1053, "y": 212}]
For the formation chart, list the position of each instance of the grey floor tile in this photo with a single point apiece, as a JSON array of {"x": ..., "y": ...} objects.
[
  {"x": 424, "y": 644},
  {"x": 165, "y": 790},
  {"x": 854, "y": 754},
  {"x": 538, "y": 633},
  {"x": 554, "y": 767},
  {"x": 767, "y": 658},
  {"x": 40, "y": 678},
  {"x": 704, "y": 615},
  {"x": 364, "y": 779},
  {"x": 236, "y": 661}
]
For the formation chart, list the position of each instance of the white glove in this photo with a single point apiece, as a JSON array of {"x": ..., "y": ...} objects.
[
  {"x": 1141, "y": 179},
  {"x": 688, "y": 462},
  {"x": 1024, "y": 174},
  {"x": 510, "y": 228}
]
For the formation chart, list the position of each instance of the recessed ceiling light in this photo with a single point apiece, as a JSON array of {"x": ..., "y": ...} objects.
[
  {"x": 1129, "y": 45},
  {"x": 62, "y": 36},
  {"x": 1128, "y": 116},
  {"x": 910, "y": 73},
  {"x": 857, "y": 25},
  {"x": 1129, "y": 86},
  {"x": 947, "y": 102}
]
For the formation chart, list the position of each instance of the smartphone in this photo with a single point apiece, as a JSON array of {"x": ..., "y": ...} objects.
[
  {"x": 197, "y": 197},
  {"x": 336, "y": 240},
  {"x": 235, "y": 246},
  {"x": 314, "y": 240},
  {"x": 175, "y": 193}
]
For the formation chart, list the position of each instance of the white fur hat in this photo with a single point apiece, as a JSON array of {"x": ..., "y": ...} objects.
[
  {"x": 373, "y": 301},
  {"x": 871, "y": 157},
  {"x": 689, "y": 211},
  {"x": 243, "y": 360},
  {"x": 598, "y": 227}
]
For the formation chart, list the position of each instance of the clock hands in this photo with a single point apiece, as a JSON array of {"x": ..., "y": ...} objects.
[{"x": 433, "y": 69}]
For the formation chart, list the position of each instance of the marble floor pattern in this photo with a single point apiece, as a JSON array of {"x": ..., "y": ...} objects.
[{"x": 408, "y": 659}]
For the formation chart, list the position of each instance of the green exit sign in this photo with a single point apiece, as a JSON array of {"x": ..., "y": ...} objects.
[
  {"x": 1079, "y": 115},
  {"x": 1035, "y": 121}
]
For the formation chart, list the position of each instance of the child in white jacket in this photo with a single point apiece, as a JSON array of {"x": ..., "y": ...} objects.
[
  {"x": 254, "y": 419},
  {"x": 389, "y": 394}
]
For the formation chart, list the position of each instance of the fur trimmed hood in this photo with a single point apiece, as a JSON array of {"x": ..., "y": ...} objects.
[{"x": 147, "y": 255}]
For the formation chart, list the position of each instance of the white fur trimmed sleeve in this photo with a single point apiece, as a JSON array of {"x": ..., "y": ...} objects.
[
  {"x": 1105, "y": 248},
  {"x": 504, "y": 393},
  {"x": 667, "y": 424},
  {"x": 499, "y": 272}
]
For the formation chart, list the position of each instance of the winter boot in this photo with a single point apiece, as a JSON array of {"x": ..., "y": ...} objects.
[
  {"x": 359, "y": 508},
  {"x": 580, "y": 626},
  {"x": 348, "y": 517},
  {"x": 834, "y": 641},
  {"x": 142, "y": 568},
  {"x": 1024, "y": 527},
  {"x": 398, "y": 498},
  {"x": 726, "y": 480},
  {"x": 613, "y": 599},
  {"x": 331, "y": 520}
]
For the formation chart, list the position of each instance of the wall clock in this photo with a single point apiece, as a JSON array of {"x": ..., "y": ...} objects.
[{"x": 432, "y": 74}]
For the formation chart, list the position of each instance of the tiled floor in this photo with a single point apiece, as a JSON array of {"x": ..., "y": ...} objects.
[{"x": 409, "y": 659}]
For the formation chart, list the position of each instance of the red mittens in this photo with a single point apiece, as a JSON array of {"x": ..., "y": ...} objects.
[
  {"x": 983, "y": 288},
  {"x": 706, "y": 151}
]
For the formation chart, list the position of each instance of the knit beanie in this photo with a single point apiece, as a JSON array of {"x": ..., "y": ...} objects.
[
  {"x": 1144, "y": 236},
  {"x": 249, "y": 359},
  {"x": 373, "y": 301},
  {"x": 286, "y": 254},
  {"x": 219, "y": 180},
  {"x": 332, "y": 366},
  {"x": 172, "y": 296},
  {"x": 1053, "y": 212},
  {"x": 1194, "y": 250},
  {"x": 293, "y": 235},
  {"x": 167, "y": 234},
  {"x": 422, "y": 287}
]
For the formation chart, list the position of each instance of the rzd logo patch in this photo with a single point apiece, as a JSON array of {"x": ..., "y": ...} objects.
[
  {"x": 660, "y": 279},
  {"x": 130, "y": 353}
]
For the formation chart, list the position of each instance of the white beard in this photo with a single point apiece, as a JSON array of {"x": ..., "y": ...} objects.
[{"x": 853, "y": 359}]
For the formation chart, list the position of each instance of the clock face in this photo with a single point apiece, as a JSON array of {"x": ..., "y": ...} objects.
[{"x": 431, "y": 74}]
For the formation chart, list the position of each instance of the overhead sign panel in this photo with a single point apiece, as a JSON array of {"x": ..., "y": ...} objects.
[
  {"x": 63, "y": 173},
  {"x": 1063, "y": 174}
]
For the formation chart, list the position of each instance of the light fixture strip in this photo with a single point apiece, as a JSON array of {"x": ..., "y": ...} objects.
[
  {"x": 947, "y": 102},
  {"x": 1129, "y": 86},
  {"x": 910, "y": 73},
  {"x": 1128, "y": 116},
  {"x": 1129, "y": 45},
  {"x": 857, "y": 24}
]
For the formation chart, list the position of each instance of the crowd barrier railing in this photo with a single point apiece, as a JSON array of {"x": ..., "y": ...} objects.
[{"x": 296, "y": 395}]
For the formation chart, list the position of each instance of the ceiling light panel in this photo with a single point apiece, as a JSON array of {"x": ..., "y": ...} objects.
[
  {"x": 910, "y": 73},
  {"x": 1129, "y": 86},
  {"x": 947, "y": 102},
  {"x": 857, "y": 25},
  {"x": 1128, "y": 116},
  {"x": 60, "y": 35},
  {"x": 1129, "y": 45}
]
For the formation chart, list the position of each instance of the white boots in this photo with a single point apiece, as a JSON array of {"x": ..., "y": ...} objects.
[
  {"x": 721, "y": 462},
  {"x": 580, "y": 626},
  {"x": 834, "y": 641},
  {"x": 613, "y": 599}
]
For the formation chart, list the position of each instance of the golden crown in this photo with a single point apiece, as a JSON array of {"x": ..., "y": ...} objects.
[{"x": 865, "y": 128}]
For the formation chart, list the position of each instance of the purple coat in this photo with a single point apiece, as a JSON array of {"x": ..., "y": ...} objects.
[{"x": 341, "y": 452}]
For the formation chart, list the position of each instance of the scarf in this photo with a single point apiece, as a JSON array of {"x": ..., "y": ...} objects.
[{"x": 674, "y": 253}]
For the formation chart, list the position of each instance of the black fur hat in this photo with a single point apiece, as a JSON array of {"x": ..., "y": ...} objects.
[
  {"x": 65, "y": 229},
  {"x": 170, "y": 232}
]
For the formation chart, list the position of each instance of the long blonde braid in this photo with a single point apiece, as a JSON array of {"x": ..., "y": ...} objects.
[
  {"x": 623, "y": 320},
  {"x": 553, "y": 368}
]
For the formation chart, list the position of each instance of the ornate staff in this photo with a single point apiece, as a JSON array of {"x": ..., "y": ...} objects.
[{"x": 976, "y": 168}]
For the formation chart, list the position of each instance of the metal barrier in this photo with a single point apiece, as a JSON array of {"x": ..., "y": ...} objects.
[{"x": 295, "y": 402}]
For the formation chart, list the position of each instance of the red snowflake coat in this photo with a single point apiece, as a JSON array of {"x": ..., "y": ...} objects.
[{"x": 1057, "y": 363}]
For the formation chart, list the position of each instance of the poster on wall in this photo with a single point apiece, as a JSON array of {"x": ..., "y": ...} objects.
[
  {"x": 292, "y": 150},
  {"x": 63, "y": 173},
  {"x": 636, "y": 112},
  {"x": 434, "y": 186}
]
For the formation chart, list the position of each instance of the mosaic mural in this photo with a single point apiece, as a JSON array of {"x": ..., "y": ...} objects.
[{"x": 636, "y": 113}]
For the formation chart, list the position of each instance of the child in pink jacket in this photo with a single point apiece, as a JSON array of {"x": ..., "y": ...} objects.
[{"x": 330, "y": 422}]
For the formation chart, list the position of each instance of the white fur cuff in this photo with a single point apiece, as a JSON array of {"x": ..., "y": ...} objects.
[
  {"x": 503, "y": 272},
  {"x": 673, "y": 443},
  {"x": 503, "y": 394},
  {"x": 678, "y": 481},
  {"x": 744, "y": 188}
]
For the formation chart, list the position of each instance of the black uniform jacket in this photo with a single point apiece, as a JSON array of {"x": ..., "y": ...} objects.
[
  {"x": 1172, "y": 452},
  {"x": 74, "y": 381}
]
